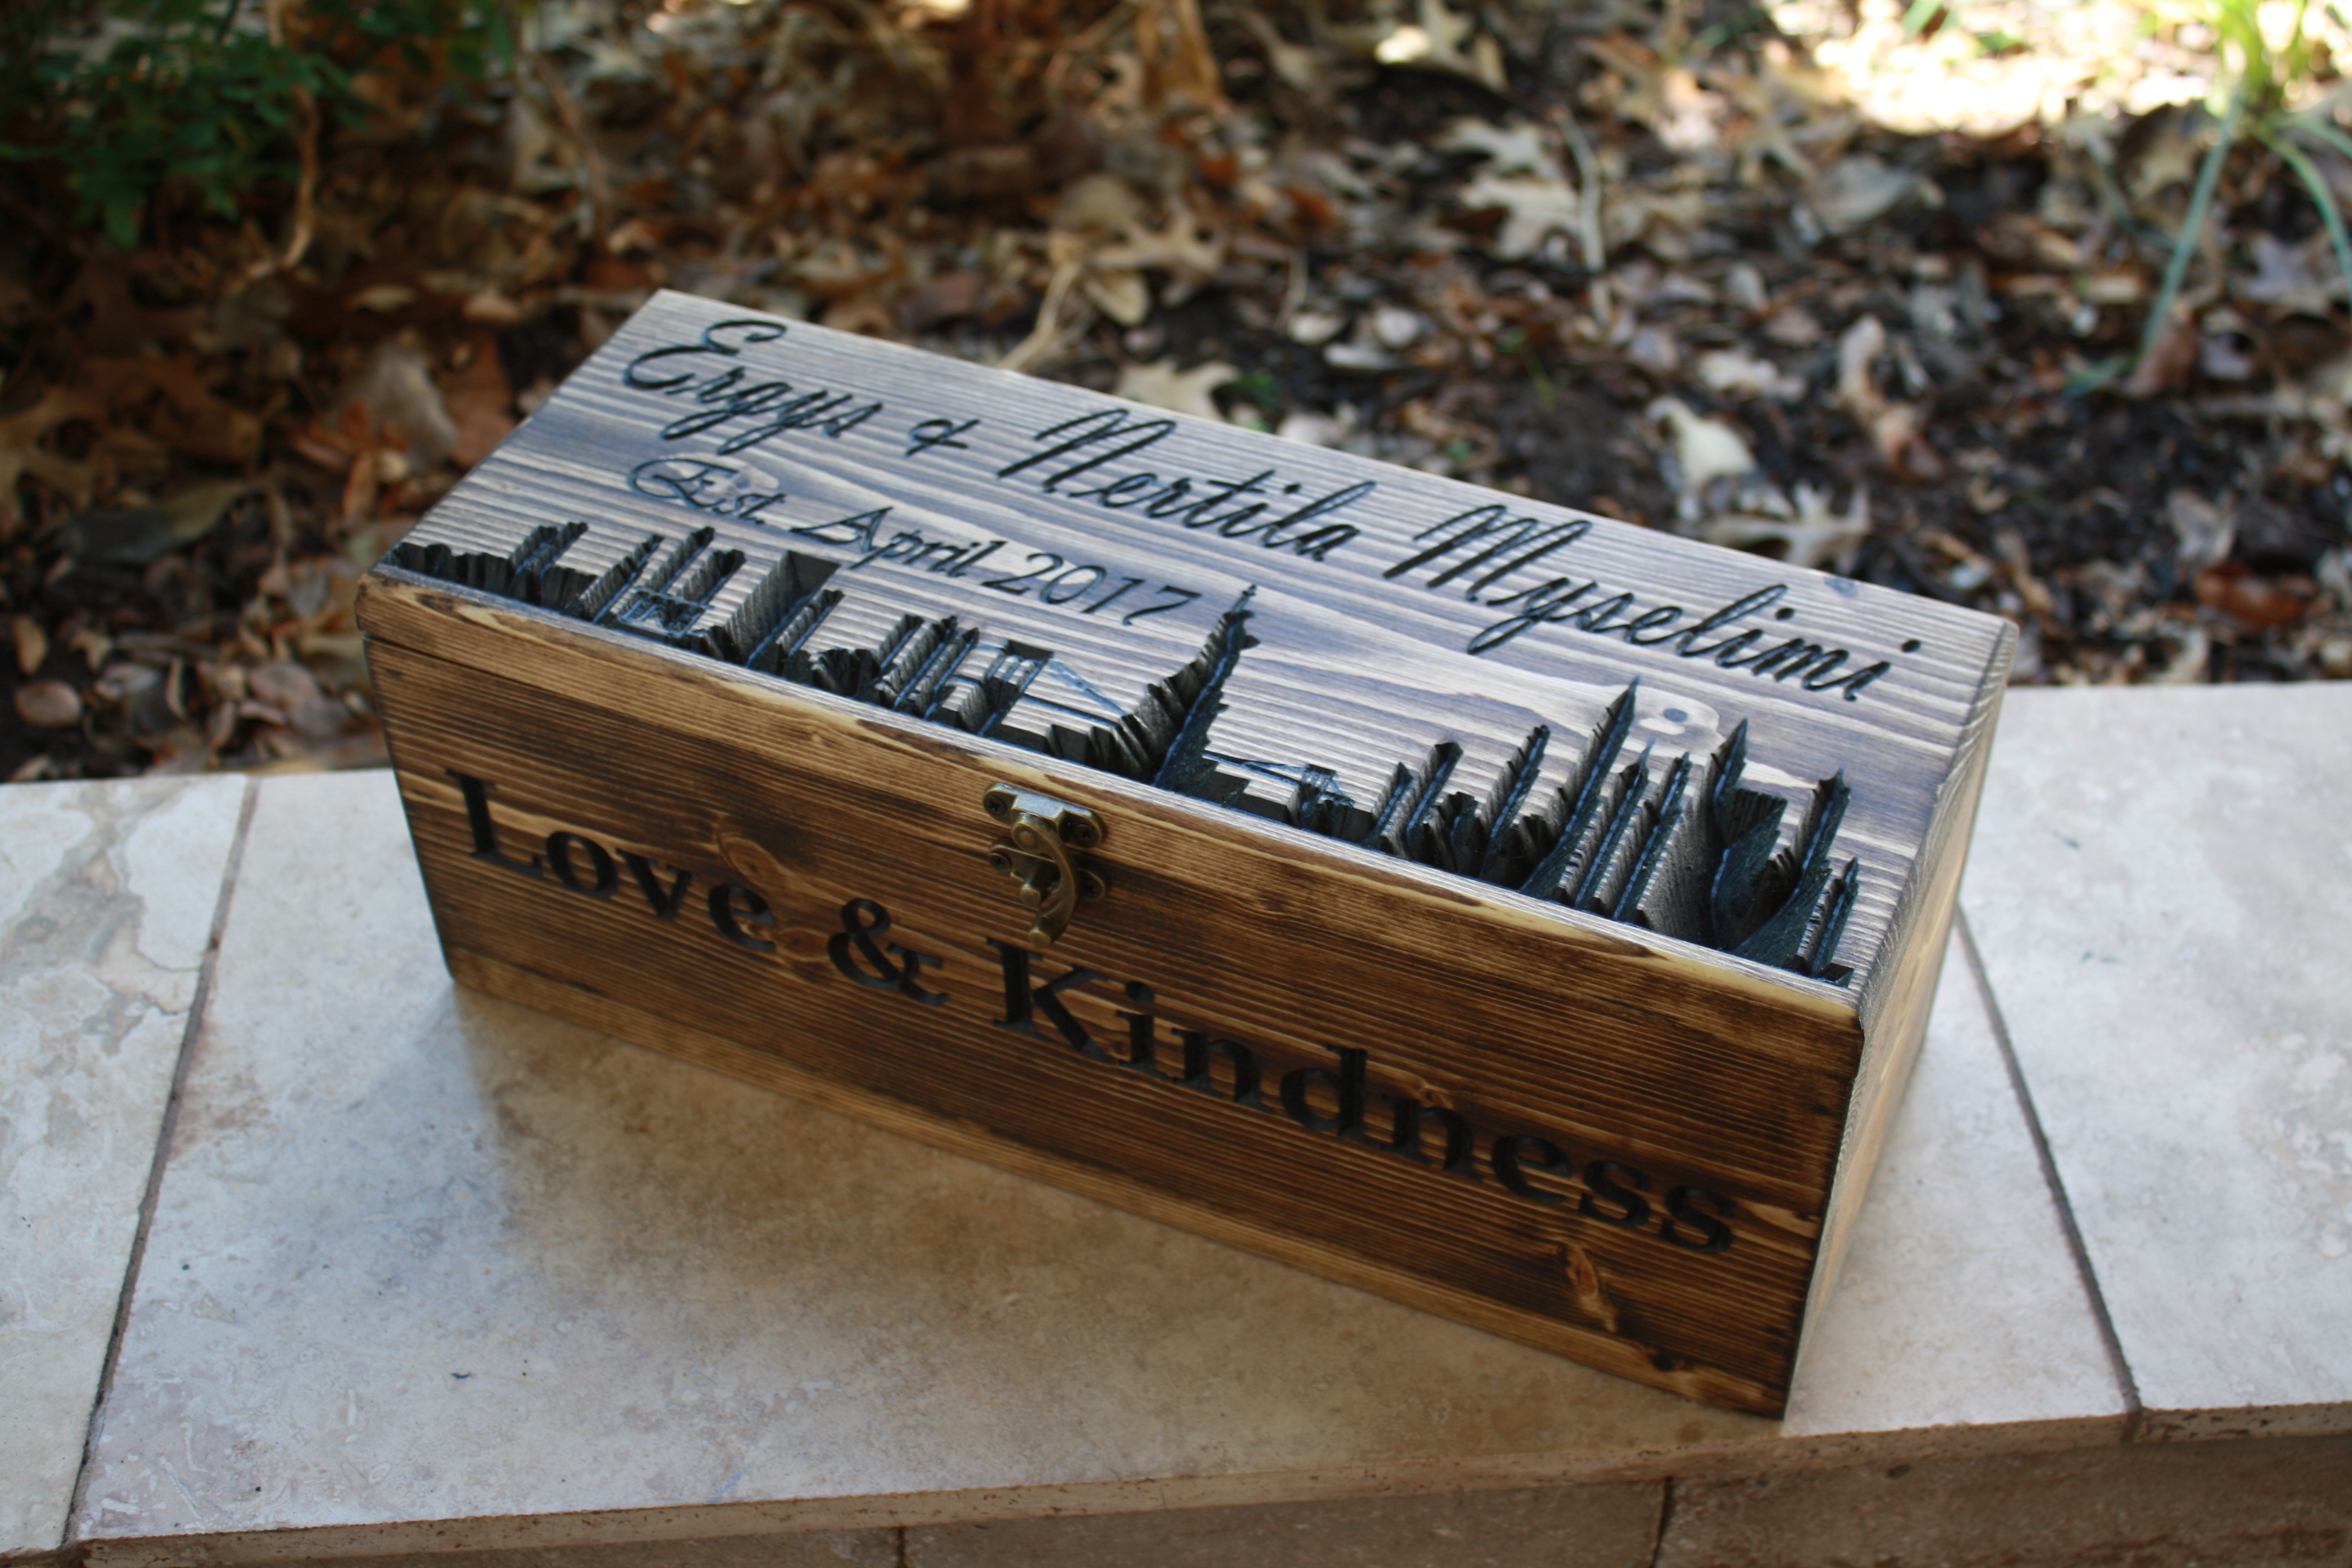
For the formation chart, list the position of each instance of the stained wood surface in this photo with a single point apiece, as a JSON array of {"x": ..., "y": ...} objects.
[
  {"x": 1361, "y": 660},
  {"x": 1682, "y": 1072},
  {"x": 1568, "y": 1114}
]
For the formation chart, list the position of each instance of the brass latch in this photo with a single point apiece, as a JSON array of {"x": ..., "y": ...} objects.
[{"x": 1038, "y": 851}]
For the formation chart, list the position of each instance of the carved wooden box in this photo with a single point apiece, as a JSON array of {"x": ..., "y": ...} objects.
[{"x": 1518, "y": 914}]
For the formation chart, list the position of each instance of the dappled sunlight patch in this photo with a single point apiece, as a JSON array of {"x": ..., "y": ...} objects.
[{"x": 1990, "y": 67}]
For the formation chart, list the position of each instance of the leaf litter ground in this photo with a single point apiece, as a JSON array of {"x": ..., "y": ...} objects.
[{"x": 1810, "y": 284}]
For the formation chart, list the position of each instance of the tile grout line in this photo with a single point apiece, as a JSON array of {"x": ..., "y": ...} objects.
[
  {"x": 1665, "y": 1521},
  {"x": 2117, "y": 1363},
  {"x": 72, "y": 1545}
]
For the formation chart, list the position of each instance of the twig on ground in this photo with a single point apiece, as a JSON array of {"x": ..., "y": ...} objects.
[
  {"x": 1592, "y": 239},
  {"x": 575, "y": 126},
  {"x": 303, "y": 224},
  {"x": 1033, "y": 349}
]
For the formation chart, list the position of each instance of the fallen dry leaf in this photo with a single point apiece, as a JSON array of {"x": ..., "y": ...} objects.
[
  {"x": 1178, "y": 66},
  {"x": 1858, "y": 346},
  {"x": 2009, "y": 544},
  {"x": 1442, "y": 41},
  {"x": 2191, "y": 662},
  {"x": 2289, "y": 276},
  {"x": 1892, "y": 426},
  {"x": 1636, "y": 89},
  {"x": 21, "y": 455},
  {"x": 121, "y": 683},
  {"x": 490, "y": 308},
  {"x": 94, "y": 645},
  {"x": 1770, "y": 108},
  {"x": 1314, "y": 429},
  {"x": 2174, "y": 357},
  {"x": 1101, "y": 203},
  {"x": 1187, "y": 250},
  {"x": 1162, "y": 386},
  {"x": 2259, "y": 604},
  {"x": 170, "y": 398},
  {"x": 480, "y": 406},
  {"x": 1523, "y": 148},
  {"x": 32, "y": 643},
  {"x": 48, "y": 705},
  {"x": 1743, "y": 374},
  {"x": 954, "y": 296},
  {"x": 1301, "y": 67},
  {"x": 1119, "y": 293},
  {"x": 1704, "y": 450},
  {"x": 1854, "y": 190},
  {"x": 2205, "y": 531},
  {"x": 133, "y": 536},
  {"x": 1812, "y": 536},
  {"x": 294, "y": 693},
  {"x": 395, "y": 389},
  {"x": 1535, "y": 207},
  {"x": 1793, "y": 326},
  {"x": 1314, "y": 327}
]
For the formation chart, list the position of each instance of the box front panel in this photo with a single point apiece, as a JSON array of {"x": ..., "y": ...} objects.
[{"x": 1615, "y": 1147}]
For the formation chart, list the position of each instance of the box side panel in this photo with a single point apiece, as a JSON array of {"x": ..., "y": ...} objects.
[
  {"x": 1433, "y": 1096},
  {"x": 1896, "y": 999}
]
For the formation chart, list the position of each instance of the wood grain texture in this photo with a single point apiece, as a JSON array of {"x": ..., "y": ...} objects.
[
  {"x": 785, "y": 440},
  {"x": 1607, "y": 1050},
  {"x": 679, "y": 771}
]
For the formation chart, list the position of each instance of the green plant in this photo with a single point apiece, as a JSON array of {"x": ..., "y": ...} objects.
[
  {"x": 126, "y": 98},
  {"x": 2257, "y": 80},
  {"x": 2261, "y": 77},
  {"x": 1512, "y": 340}
]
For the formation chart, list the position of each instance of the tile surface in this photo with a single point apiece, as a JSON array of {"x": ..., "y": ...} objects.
[
  {"x": 1960, "y": 1307},
  {"x": 107, "y": 898},
  {"x": 419, "y": 1256},
  {"x": 2161, "y": 889}
]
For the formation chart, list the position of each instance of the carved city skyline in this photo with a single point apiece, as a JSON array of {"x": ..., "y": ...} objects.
[{"x": 1683, "y": 848}]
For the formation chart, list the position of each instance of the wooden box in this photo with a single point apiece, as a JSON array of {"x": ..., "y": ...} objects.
[{"x": 1515, "y": 913}]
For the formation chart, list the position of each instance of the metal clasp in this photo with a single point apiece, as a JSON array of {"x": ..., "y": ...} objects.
[{"x": 1038, "y": 852}]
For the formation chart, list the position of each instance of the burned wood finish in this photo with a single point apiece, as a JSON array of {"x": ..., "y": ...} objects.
[{"x": 1556, "y": 978}]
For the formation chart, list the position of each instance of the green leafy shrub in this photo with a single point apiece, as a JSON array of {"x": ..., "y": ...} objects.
[{"x": 127, "y": 100}]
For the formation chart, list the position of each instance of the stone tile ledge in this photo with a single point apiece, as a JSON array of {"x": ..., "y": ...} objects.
[
  {"x": 108, "y": 896},
  {"x": 2160, "y": 890},
  {"x": 427, "y": 1275},
  {"x": 1048, "y": 1503}
]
